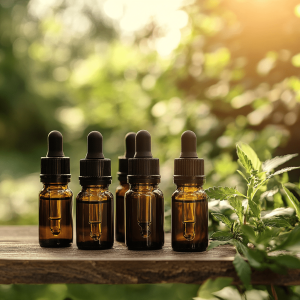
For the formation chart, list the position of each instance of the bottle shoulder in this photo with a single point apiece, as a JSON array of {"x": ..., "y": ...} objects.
[
  {"x": 198, "y": 194},
  {"x": 137, "y": 193},
  {"x": 50, "y": 192},
  {"x": 94, "y": 195}
]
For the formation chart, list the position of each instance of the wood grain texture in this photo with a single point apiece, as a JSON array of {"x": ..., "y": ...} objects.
[{"x": 22, "y": 260}]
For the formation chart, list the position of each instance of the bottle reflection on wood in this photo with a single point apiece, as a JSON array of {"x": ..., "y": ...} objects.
[{"x": 189, "y": 201}]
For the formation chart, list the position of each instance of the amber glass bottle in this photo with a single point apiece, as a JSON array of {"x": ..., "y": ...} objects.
[
  {"x": 55, "y": 199},
  {"x": 144, "y": 202},
  {"x": 124, "y": 186},
  {"x": 189, "y": 201},
  {"x": 95, "y": 203}
]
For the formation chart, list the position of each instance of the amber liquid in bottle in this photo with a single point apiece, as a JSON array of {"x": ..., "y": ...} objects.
[
  {"x": 189, "y": 218},
  {"x": 55, "y": 215},
  {"x": 120, "y": 214},
  {"x": 94, "y": 218},
  {"x": 144, "y": 205}
]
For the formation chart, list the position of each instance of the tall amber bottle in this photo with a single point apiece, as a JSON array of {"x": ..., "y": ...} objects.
[
  {"x": 124, "y": 186},
  {"x": 95, "y": 203},
  {"x": 144, "y": 201},
  {"x": 189, "y": 201},
  {"x": 55, "y": 199}
]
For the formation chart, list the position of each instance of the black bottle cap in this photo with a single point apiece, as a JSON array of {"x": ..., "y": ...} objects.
[
  {"x": 189, "y": 168},
  {"x": 129, "y": 153},
  {"x": 95, "y": 169},
  {"x": 143, "y": 168},
  {"x": 55, "y": 167}
]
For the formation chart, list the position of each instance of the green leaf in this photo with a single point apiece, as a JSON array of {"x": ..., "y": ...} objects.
[
  {"x": 222, "y": 236},
  {"x": 223, "y": 193},
  {"x": 249, "y": 232},
  {"x": 277, "y": 222},
  {"x": 287, "y": 261},
  {"x": 291, "y": 241},
  {"x": 282, "y": 171},
  {"x": 242, "y": 174},
  {"x": 252, "y": 156},
  {"x": 223, "y": 219},
  {"x": 210, "y": 286},
  {"x": 238, "y": 208},
  {"x": 275, "y": 162},
  {"x": 244, "y": 160},
  {"x": 294, "y": 201},
  {"x": 228, "y": 293},
  {"x": 242, "y": 269},
  {"x": 256, "y": 295},
  {"x": 255, "y": 208},
  {"x": 215, "y": 244},
  {"x": 285, "y": 212}
]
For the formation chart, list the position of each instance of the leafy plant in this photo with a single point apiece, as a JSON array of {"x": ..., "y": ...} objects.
[{"x": 253, "y": 234}]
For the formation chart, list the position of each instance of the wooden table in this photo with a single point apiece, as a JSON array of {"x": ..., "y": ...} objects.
[{"x": 22, "y": 260}]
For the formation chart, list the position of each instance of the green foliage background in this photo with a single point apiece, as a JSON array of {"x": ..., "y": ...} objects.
[{"x": 66, "y": 65}]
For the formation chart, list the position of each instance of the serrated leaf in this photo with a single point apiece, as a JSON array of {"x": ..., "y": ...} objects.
[
  {"x": 223, "y": 219},
  {"x": 244, "y": 160},
  {"x": 293, "y": 200},
  {"x": 223, "y": 193},
  {"x": 282, "y": 171},
  {"x": 238, "y": 208},
  {"x": 280, "y": 217},
  {"x": 277, "y": 222},
  {"x": 213, "y": 285},
  {"x": 242, "y": 269},
  {"x": 275, "y": 162},
  {"x": 252, "y": 156},
  {"x": 215, "y": 244},
  {"x": 242, "y": 174},
  {"x": 222, "y": 236}
]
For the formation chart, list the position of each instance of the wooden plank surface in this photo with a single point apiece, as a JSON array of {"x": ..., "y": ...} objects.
[{"x": 22, "y": 260}]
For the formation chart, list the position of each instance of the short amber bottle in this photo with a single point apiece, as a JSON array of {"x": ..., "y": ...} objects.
[
  {"x": 95, "y": 203},
  {"x": 189, "y": 201},
  {"x": 55, "y": 199},
  {"x": 144, "y": 201},
  {"x": 123, "y": 186}
]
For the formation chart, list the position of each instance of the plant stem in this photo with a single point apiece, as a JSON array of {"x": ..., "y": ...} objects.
[{"x": 274, "y": 292}]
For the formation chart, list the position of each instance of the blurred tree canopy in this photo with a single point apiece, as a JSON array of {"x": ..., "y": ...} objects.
[{"x": 226, "y": 69}]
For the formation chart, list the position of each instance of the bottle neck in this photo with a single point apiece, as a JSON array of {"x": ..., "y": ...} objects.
[
  {"x": 143, "y": 186},
  {"x": 101, "y": 187},
  {"x": 56, "y": 185},
  {"x": 189, "y": 187}
]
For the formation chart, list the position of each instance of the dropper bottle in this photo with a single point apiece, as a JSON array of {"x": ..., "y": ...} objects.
[
  {"x": 144, "y": 201},
  {"x": 123, "y": 186},
  {"x": 189, "y": 201},
  {"x": 55, "y": 199},
  {"x": 94, "y": 203}
]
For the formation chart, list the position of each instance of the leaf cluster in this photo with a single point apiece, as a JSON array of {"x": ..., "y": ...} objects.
[{"x": 255, "y": 235}]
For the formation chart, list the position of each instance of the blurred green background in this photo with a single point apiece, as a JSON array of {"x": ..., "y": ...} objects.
[{"x": 226, "y": 69}]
